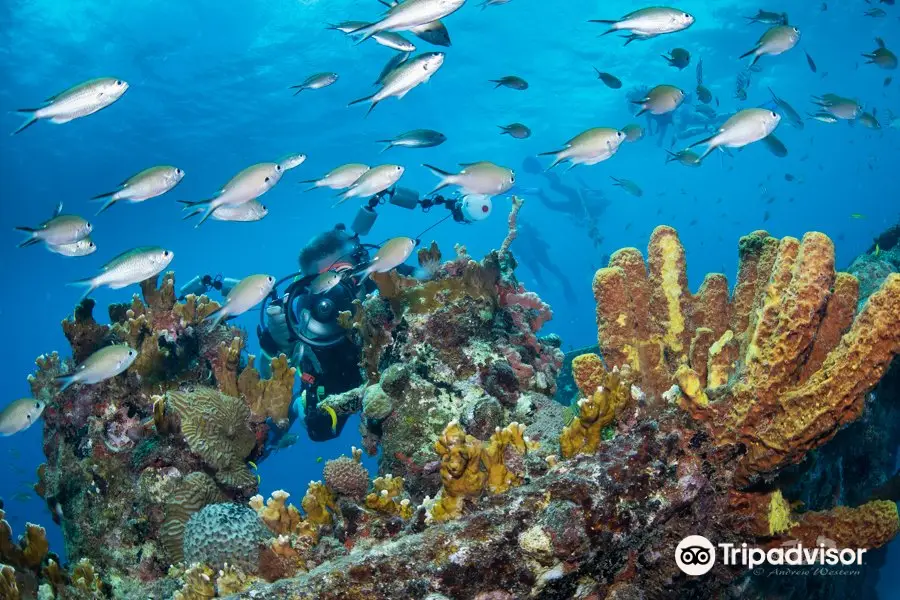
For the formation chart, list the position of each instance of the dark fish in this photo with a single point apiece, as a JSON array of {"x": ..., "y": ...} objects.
[
  {"x": 876, "y": 13},
  {"x": 792, "y": 115},
  {"x": 703, "y": 94},
  {"x": 678, "y": 58},
  {"x": 741, "y": 84},
  {"x": 769, "y": 18},
  {"x": 775, "y": 146},
  {"x": 699, "y": 72},
  {"x": 788, "y": 177},
  {"x": 433, "y": 33},
  {"x": 516, "y": 130},
  {"x": 810, "y": 62},
  {"x": 887, "y": 81},
  {"x": 512, "y": 82},
  {"x": 765, "y": 216},
  {"x": 611, "y": 81},
  {"x": 706, "y": 111}
]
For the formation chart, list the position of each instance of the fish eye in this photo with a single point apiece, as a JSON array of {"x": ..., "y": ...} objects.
[
  {"x": 91, "y": 245},
  {"x": 687, "y": 15},
  {"x": 166, "y": 253},
  {"x": 774, "y": 114},
  {"x": 119, "y": 82},
  {"x": 88, "y": 225},
  {"x": 796, "y": 30},
  {"x": 270, "y": 279},
  {"x": 178, "y": 171},
  {"x": 37, "y": 404}
]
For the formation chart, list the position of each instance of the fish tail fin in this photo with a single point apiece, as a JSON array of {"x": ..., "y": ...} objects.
[
  {"x": 630, "y": 38},
  {"x": 193, "y": 213},
  {"x": 605, "y": 22},
  {"x": 749, "y": 52},
  {"x": 703, "y": 141},
  {"x": 299, "y": 88},
  {"x": 359, "y": 100},
  {"x": 640, "y": 112},
  {"x": 31, "y": 239},
  {"x": 444, "y": 175},
  {"x": 558, "y": 158},
  {"x": 207, "y": 214},
  {"x": 89, "y": 282},
  {"x": 754, "y": 61},
  {"x": 101, "y": 196},
  {"x": 497, "y": 81},
  {"x": 503, "y": 128},
  {"x": 106, "y": 205},
  {"x": 66, "y": 381},
  {"x": 616, "y": 181},
  {"x": 671, "y": 156},
  {"x": 195, "y": 202},
  {"x": 32, "y": 119},
  {"x": 367, "y": 31},
  {"x": 215, "y": 317},
  {"x": 310, "y": 189},
  {"x": 390, "y": 144}
]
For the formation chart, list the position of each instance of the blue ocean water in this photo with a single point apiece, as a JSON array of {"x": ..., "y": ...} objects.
[{"x": 209, "y": 93}]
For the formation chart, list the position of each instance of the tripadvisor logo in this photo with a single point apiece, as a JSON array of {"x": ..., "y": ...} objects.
[{"x": 695, "y": 555}]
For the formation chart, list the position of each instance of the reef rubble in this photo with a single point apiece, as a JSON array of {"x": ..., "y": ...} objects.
[{"x": 699, "y": 414}]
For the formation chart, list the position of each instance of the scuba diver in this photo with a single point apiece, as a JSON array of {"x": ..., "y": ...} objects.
[
  {"x": 301, "y": 320},
  {"x": 533, "y": 252}
]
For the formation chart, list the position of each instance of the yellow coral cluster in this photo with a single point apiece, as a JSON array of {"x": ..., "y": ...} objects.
[
  {"x": 30, "y": 550},
  {"x": 85, "y": 578},
  {"x": 468, "y": 467},
  {"x": 387, "y": 497},
  {"x": 198, "y": 584},
  {"x": 597, "y": 409},
  {"x": 774, "y": 354},
  {"x": 318, "y": 503},
  {"x": 283, "y": 518}
]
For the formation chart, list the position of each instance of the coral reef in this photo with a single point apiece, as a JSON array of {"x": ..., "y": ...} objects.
[
  {"x": 699, "y": 414},
  {"x": 131, "y": 459}
]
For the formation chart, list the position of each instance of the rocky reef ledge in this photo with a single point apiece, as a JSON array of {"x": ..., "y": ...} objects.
[{"x": 696, "y": 417}]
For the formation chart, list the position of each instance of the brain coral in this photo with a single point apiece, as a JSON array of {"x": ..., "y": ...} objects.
[
  {"x": 225, "y": 533},
  {"x": 347, "y": 477},
  {"x": 194, "y": 492},
  {"x": 216, "y": 428}
]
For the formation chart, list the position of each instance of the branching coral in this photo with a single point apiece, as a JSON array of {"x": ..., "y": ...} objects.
[
  {"x": 268, "y": 398},
  {"x": 386, "y": 497},
  {"x": 85, "y": 335},
  {"x": 318, "y": 503},
  {"x": 503, "y": 457},
  {"x": 30, "y": 550},
  {"x": 195, "y": 309},
  {"x": 85, "y": 578},
  {"x": 461, "y": 473},
  {"x": 772, "y": 355}
]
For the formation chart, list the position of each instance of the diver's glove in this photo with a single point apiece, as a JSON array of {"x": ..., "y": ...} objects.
[{"x": 277, "y": 325}]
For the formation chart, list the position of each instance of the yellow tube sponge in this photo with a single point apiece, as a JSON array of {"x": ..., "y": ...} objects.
[{"x": 268, "y": 398}]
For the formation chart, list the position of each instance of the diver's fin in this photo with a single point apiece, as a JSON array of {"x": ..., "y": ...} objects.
[{"x": 31, "y": 119}]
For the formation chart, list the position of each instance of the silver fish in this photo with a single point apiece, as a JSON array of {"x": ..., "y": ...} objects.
[
  {"x": 147, "y": 184},
  {"x": 479, "y": 178},
  {"x": 417, "y": 138},
  {"x": 315, "y": 82},
  {"x": 82, "y": 247},
  {"x": 410, "y": 14},
  {"x": 394, "y": 41},
  {"x": 242, "y": 213},
  {"x": 79, "y": 101},
  {"x": 59, "y": 230},
  {"x": 132, "y": 266},
  {"x": 405, "y": 77},
  {"x": 19, "y": 415},
  {"x": 249, "y": 292},
  {"x": 325, "y": 282},
  {"x": 103, "y": 364},
  {"x": 340, "y": 178},
  {"x": 777, "y": 40},
  {"x": 249, "y": 184},
  {"x": 660, "y": 100},
  {"x": 375, "y": 180},
  {"x": 743, "y": 128},
  {"x": 589, "y": 147},
  {"x": 648, "y": 23},
  {"x": 394, "y": 62},
  {"x": 392, "y": 254},
  {"x": 292, "y": 161}
]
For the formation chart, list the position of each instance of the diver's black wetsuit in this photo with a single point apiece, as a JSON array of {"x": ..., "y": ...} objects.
[{"x": 533, "y": 253}]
